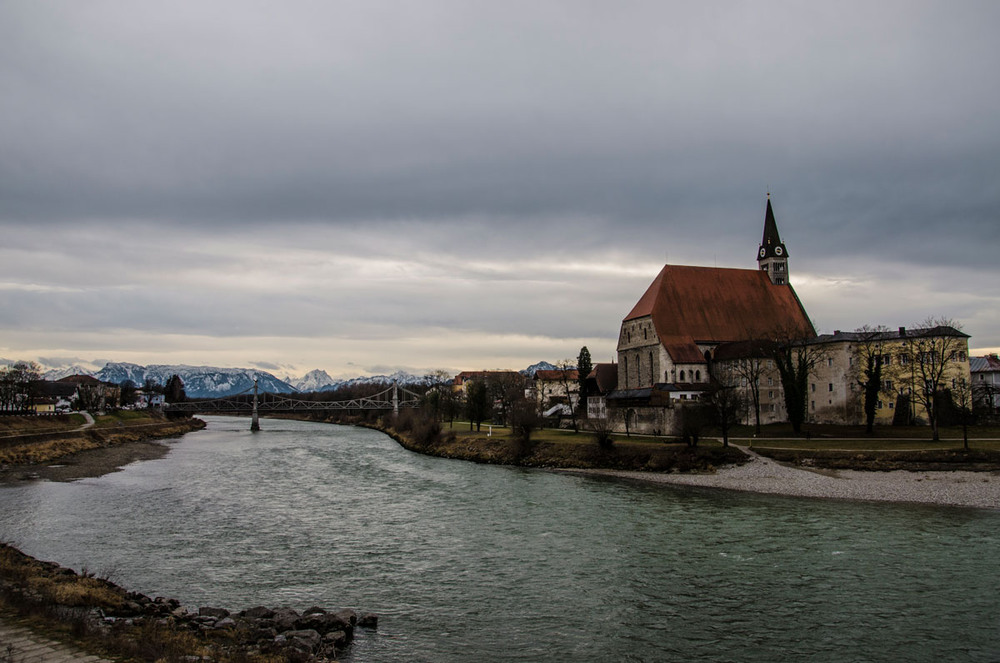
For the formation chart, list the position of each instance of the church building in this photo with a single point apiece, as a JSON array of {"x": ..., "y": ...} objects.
[{"x": 668, "y": 338}]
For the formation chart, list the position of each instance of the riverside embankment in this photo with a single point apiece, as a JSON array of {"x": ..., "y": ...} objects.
[
  {"x": 58, "y": 450},
  {"x": 99, "y": 616}
]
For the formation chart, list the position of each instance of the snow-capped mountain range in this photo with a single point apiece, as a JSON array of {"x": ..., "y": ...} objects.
[
  {"x": 199, "y": 381},
  {"x": 214, "y": 382}
]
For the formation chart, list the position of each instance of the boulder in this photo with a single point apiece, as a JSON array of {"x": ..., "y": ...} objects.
[
  {"x": 226, "y": 622},
  {"x": 347, "y": 615},
  {"x": 341, "y": 620},
  {"x": 218, "y": 613},
  {"x": 315, "y": 610},
  {"x": 260, "y": 612},
  {"x": 285, "y": 619},
  {"x": 303, "y": 640},
  {"x": 368, "y": 620}
]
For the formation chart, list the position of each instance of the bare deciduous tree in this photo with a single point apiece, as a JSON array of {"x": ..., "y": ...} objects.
[
  {"x": 935, "y": 349},
  {"x": 869, "y": 352}
]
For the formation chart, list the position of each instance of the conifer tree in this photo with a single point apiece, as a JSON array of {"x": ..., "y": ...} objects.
[{"x": 584, "y": 366}]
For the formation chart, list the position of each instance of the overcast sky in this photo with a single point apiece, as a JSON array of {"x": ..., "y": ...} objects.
[{"x": 365, "y": 186}]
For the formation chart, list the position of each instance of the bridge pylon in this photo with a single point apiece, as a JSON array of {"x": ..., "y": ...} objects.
[{"x": 254, "y": 419}]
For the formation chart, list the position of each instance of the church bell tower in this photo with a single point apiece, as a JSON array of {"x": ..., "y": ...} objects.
[{"x": 772, "y": 255}]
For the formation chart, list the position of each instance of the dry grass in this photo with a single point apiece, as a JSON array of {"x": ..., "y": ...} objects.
[
  {"x": 31, "y": 425},
  {"x": 118, "y": 428},
  {"x": 77, "y": 591},
  {"x": 31, "y": 453}
]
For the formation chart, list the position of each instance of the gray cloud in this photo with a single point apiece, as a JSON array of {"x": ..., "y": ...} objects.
[{"x": 374, "y": 170}]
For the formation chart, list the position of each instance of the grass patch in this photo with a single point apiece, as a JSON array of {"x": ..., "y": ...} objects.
[
  {"x": 561, "y": 448},
  {"x": 31, "y": 425},
  {"x": 128, "y": 418},
  {"x": 874, "y": 444},
  {"x": 45, "y": 447},
  {"x": 33, "y": 453},
  {"x": 829, "y": 431}
]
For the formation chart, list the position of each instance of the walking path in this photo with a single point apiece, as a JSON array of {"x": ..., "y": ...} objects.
[
  {"x": 20, "y": 645},
  {"x": 763, "y": 475},
  {"x": 89, "y": 418}
]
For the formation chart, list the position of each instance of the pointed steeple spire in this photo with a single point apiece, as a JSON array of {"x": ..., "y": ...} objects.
[
  {"x": 772, "y": 256},
  {"x": 771, "y": 240}
]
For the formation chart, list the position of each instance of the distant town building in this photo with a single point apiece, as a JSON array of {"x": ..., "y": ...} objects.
[
  {"x": 985, "y": 374},
  {"x": 601, "y": 381},
  {"x": 557, "y": 387}
]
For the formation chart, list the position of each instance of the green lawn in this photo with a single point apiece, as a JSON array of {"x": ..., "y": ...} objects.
[
  {"x": 781, "y": 436},
  {"x": 565, "y": 436}
]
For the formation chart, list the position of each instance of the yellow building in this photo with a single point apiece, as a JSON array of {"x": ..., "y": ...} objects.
[{"x": 917, "y": 366}]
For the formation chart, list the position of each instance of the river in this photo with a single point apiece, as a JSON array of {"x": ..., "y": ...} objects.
[{"x": 472, "y": 562}]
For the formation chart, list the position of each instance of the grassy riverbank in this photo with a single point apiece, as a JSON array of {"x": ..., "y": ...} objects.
[
  {"x": 888, "y": 448},
  {"x": 31, "y": 442},
  {"x": 833, "y": 447},
  {"x": 546, "y": 448}
]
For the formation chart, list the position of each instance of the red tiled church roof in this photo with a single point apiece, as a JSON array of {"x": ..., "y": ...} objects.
[
  {"x": 691, "y": 305},
  {"x": 570, "y": 374}
]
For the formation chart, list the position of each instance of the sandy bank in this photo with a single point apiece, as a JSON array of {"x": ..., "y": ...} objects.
[{"x": 762, "y": 475}]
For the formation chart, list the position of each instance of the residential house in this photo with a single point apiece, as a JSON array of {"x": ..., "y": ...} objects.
[
  {"x": 556, "y": 387},
  {"x": 985, "y": 373}
]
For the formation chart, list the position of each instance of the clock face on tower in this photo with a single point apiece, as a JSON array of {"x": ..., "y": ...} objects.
[
  {"x": 778, "y": 250},
  {"x": 763, "y": 252}
]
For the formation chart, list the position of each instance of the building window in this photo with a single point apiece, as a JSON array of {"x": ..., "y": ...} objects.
[
  {"x": 813, "y": 404},
  {"x": 770, "y": 394},
  {"x": 682, "y": 376},
  {"x": 645, "y": 335},
  {"x": 887, "y": 360},
  {"x": 812, "y": 387},
  {"x": 770, "y": 382},
  {"x": 830, "y": 387},
  {"x": 904, "y": 359},
  {"x": 891, "y": 405},
  {"x": 652, "y": 374},
  {"x": 888, "y": 385},
  {"x": 625, "y": 366},
  {"x": 880, "y": 405},
  {"x": 829, "y": 362},
  {"x": 697, "y": 376}
]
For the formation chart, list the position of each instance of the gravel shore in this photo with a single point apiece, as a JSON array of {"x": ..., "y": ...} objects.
[{"x": 762, "y": 475}]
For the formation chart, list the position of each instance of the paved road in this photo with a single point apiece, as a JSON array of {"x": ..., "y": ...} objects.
[{"x": 19, "y": 645}]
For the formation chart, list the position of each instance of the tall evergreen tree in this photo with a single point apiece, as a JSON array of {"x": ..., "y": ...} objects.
[{"x": 584, "y": 366}]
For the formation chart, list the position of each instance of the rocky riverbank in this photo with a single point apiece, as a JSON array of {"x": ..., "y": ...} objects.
[{"x": 113, "y": 621}]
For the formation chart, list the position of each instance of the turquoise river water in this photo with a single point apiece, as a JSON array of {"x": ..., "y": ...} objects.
[{"x": 468, "y": 562}]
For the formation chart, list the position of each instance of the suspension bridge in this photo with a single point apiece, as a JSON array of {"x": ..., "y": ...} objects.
[{"x": 392, "y": 398}]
